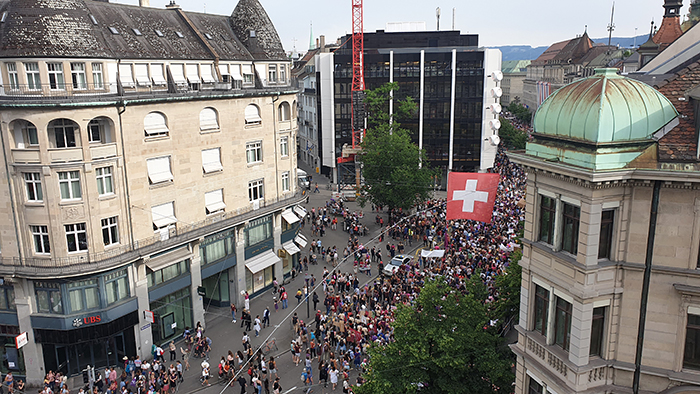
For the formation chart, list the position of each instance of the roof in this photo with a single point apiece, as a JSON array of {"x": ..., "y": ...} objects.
[
  {"x": 604, "y": 108},
  {"x": 574, "y": 51},
  {"x": 514, "y": 66},
  {"x": 681, "y": 53},
  {"x": 606, "y": 58},
  {"x": 81, "y": 28},
  {"x": 550, "y": 52},
  {"x": 669, "y": 31}
]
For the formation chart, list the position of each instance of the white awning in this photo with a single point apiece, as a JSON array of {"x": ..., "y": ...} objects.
[
  {"x": 223, "y": 69},
  {"x": 207, "y": 76},
  {"x": 159, "y": 169},
  {"x": 301, "y": 241},
  {"x": 290, "y": 247},
  {"x": 214, "y": 201},
  {"x": 141, "y": 73},
  {"x": 208, "y": 119},
  {"x": 154, "y": 123},
  {"x": 252, "y": 114},
  {"x": 300, "y": 211},
  {"x": 163, "y": 215},
  {"x": 211, "y": 160},
  {"x": 236, "y": 72},
  {"x": 125, "y": 76},
  {"x": 432, "y": 253},
  {"x": 289, "y": 216},
  {"x": 192, "y": 73},
  {"x": 157, "y": 74},
  {"x": 168, "y": 259},
  {"x": 178, "y": 73},
  {"x": 261, "y": 261}
]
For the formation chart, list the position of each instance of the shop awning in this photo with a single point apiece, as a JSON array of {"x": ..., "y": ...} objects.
[
  {"x": 290, "y": 247},
  {"x": 262, "y": 261},
  {"x": 432, "y": 253},
  {"x": 300, "y": 211},
  {"x": 289, "y": 216},
  {"x": 170, "y": 258},
  {"x": 301, "y": 241}
]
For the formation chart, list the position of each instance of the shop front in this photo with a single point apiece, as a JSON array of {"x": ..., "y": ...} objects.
[
  {"x": 218, "y": 256},
  {"x": 259, "y": 273},
  {"x": 170, "y": 297}
]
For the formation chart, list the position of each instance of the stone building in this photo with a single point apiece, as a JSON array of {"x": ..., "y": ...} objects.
[
  {"x": 514, "y": 73},
  {"x": 150, "y": 164},
  {"x": 605, "y": 149}
]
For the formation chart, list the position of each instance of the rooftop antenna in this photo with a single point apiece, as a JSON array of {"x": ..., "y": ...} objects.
[
  {"x": 205, "y": 8},
  {"x": 611, "y": 26},
  {"x": 454, "y": 9},
  {"x": 294, "y": 45},
  {"x": 437, "y": 14}
]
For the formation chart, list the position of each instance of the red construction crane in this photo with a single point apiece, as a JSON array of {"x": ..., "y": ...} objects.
[{"x": 358, "y": 75}]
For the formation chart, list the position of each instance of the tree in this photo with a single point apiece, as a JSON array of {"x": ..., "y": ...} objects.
[
  {"x": 512, "y": 138},
  {"x": 396, "y": 172},
  {"x": 508, "y": 285},
  {"x": 520, "y": 111},
  {"x": 441, "y": 346}
]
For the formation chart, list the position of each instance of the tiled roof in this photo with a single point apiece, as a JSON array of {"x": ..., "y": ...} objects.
[
  {"x": 669, "y": 31},
  {"x": 550, "y": 53},
  {"x": 680, "y": 144},
  {"x": 574, "y": 51},
  {"x": 81, "y": 28}
]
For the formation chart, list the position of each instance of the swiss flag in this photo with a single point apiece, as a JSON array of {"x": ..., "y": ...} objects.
[{"x": 471, "y": 195}]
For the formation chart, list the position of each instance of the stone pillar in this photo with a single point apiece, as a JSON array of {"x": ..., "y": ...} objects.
[
  {"x": 580, "y": 343},
  {"x": 196, "y": 275},
  {"x": 277, "y": 234},
  {"x": 589, "y": 233},
  {"x": 143, "y": 331},
  {"x": 32, "y": 351},
  {"x": 240, "y": 268}
]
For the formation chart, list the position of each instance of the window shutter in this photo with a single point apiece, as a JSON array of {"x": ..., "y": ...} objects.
[
  {"x": 252, "y": 114},
  {"x": 214, "y": 200},
  {"x": 154, "y": 123},
  {"x": 207, "y": 119},
  {"x": 141, "y": 71},
  {"x": 211, "y": 160},
  {"x": 207, "y": 76},
  {"x": 157, "y": 75},
  {"x": 159, "y": 169},
  {"x": 163, "y": 215},
  {"x": 192, "y": 74},
  {"x": 125, "y": 76}
]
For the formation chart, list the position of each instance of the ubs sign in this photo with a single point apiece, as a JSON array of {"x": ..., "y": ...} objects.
[{"x": 79, "y": 322}]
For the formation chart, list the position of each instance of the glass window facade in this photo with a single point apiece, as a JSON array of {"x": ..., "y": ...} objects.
[
  {"x": 257, "y": 281},
  {"x": 569, "y": 237},
  {"x": 541, "y": 309},
  {"x": 218, "y": 246},
  {"x": 562, "y": 323},
  {"x": 84, "y": 295},
  {"x": 48, "y": 297},
  {"x": 170, "y": 272},
  {"x": 172, "y": 314},
  {"x": 258, "y": 230},
  {"x": 548, "y": 210},
  {"x": 598, "y": 331}
]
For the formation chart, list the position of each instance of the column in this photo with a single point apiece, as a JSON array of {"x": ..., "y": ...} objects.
[
  {"x": 421, "y": 100},
  {"x": 240, "y": 268},
  {"x": 32, "y": 351},
  {"x": 452, "y": 110},
  {"x": 196, "y": 275},
  {"x": 391, "y": 94},
  {"x": 580, "y": 342},
  {"x": 143, "y": 331},
  {"x": 589, "y": 233},
  {"x": 277, "y": 235}
]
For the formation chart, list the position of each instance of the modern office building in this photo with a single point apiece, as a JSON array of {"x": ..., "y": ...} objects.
[
  {"x": 446, "y": 73},
  {"x": 150, "y": 173}
]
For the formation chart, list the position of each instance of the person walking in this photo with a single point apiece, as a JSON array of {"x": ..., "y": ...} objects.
[
  {"x": 284, "y": 299},
  {"x": 266, "y": 317},
  {"x": 233, "y": 313},
  {"x": 257, "y": 325}
]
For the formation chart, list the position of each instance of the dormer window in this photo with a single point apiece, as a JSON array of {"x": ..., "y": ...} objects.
[
  {"x": 3, "y": 17},
  {"x": 179, "y": 34},
  {"x": 209, "y": 37},
  {"x": 92, "y": 18},
  {"x": 114, "y": 30},
  {"x": 137, "y": 32},
  {"x": 252, "y": 34},
  {"x": 159, "y": 33}
]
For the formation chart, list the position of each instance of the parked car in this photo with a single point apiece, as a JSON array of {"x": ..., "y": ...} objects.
[{"x": 395, "y": 263}]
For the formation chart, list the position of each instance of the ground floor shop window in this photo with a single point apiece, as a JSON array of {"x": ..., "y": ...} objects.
[
  {"x": 217, "y": 291},
  {"x": 12, "y": 359},
  {"x": 289, "y": 262},
  {"x": 255, "y": 282},
  {"x": 172, "y": 314}
]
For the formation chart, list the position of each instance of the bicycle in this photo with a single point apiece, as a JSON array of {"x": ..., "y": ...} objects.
[{"x": 269, "y": 346}]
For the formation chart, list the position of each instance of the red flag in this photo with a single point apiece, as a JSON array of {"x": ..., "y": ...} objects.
[{"x": 471, "y": 195}]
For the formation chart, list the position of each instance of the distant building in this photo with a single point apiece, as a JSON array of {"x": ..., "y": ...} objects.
[
  {"x": 514, "y": 73},
  {"x": 150, "y": 161},
  {"x": 446, "y": 74}
]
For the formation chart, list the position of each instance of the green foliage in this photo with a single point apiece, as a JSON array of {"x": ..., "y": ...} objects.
[
  {"x": 390, "y": 160},
  {"x": 520, "y": 111},
  {"x": 512, "y": 138},
  {"x": 508, "y": 285},
  {"x": 441, "y": 345}
]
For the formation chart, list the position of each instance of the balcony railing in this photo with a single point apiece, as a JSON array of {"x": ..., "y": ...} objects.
[
  {"x": 116, "y": 91},
  {"x": 117, "y": 256}
]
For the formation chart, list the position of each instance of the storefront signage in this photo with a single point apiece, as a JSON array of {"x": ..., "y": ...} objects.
[
  {"x": 21, "y": 340},
  {"x": 146, "y": 327},
  {"x": 148, "y": 316},
  {"x": 201, "y": 291},
  {"x": 78, "y": 322}
]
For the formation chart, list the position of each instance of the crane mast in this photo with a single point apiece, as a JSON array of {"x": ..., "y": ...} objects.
[{"x": 358, "y": 74}]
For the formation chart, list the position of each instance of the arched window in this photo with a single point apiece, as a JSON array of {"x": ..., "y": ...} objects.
[
  {"x": 64, "y": 133},
  {"x": 284, "y": 111},
  {"x": 100, "y": 130},
  {"x": 252, "y": 115},
  {"x": 155, "y": 124},
  {"x": 208, "y": 119},
  {"x": 25, "y": 134}
]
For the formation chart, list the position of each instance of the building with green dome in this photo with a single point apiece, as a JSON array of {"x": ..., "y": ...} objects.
[{"x": 595, "y": 170}]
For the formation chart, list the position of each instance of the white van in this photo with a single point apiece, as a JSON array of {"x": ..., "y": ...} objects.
[{"x": 303, "y": 179}]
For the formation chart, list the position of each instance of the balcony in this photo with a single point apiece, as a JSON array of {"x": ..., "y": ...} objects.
[
  {"x": 118, "y": 256},
  {"x": 115, "y": 92},
  {"x": 66, "y": 155},
  {"x": 103, "y": 151},
  {"x": 26, "y": 156}
]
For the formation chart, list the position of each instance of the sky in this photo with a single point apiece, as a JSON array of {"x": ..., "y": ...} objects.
[{"x": 497, "y": 22}]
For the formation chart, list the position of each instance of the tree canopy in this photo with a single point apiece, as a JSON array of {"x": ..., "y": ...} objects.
[
  {"x": 395, "y": 171},
  {"x": 441, "y": 346},
  {"x": 512, "y": 138},
  {"x": 520, "y": 111}
]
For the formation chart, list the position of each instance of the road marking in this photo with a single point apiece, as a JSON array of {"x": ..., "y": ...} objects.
[{"x": 290, "y": 390}]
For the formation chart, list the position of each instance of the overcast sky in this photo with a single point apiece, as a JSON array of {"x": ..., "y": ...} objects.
[{"x": 497, "y": 22}]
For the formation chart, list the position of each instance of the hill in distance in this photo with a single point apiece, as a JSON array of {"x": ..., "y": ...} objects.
[{"x": 525, "y": 52}]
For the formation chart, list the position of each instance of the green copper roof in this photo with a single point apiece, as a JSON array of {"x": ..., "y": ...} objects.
[{"x": 604, "y": 108}]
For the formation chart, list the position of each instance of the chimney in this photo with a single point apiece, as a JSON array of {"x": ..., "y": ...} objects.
[
  {"x": 317, "y": 43},
  {"x": 144, "y": 3},
  {"x": 323, "y": 42},
  {"x": 171, "y": 6}
]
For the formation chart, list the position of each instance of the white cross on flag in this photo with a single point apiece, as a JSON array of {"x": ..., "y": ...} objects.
[{"x": 471, "y": 195}]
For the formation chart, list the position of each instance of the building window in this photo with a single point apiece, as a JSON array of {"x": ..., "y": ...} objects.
[
  {"x": 248, "y": 77},
  {"x": 12, "y": 74},
  {"x": 569, "y": 238},
  {"x": 548, "y": 209},
  {"x": 84, "y": 295},
  {"x": 253, "y": 152},
  {"x": 285, "y": 181},
  {"x": 48, "y": 297},
  {"x": 606, "y": 234},
  {"x": 252, "y": 115},
  {"x": 216, "y": 247},
  {"x": 97, "y": 79},
  {"x": 32, "y": 182},
  {"x": 116, "y": 286},
  {"x": 284, "y": 146},
  {"x": 159, "y": 170},
  {"x": 110, "y": 231},
  {"x": 77, "y": 71},
  {"x": 283, "y": 73},
  {"x": 29, "y": 134},
  {"x": 76, "y": 237},
  {"x": 64, "y": 132},
  {"x": 256, "y": 190},
  {"x": 691, "y": 355},
  {"x": 154, "y": 124},
  {"x": 163, "y": 216},
  {"x": 40, "y": 234},
  {"x": 214, "y": 201},
  {"x": 562, "y": 323},
  {"x": 208, "y": 119},
  {"x": 272, "y": 73},
  {"x": 33, "y": 76},
  {"x": 284, "y": 112},
  {"x": 141, "y": 74},
  {"x": 94, "y": 131},
  {"x": 211, "y": 160},
  {"x": 7, "y": 298},
  {"x": 56, "y": 81},
  {"x": 168, "y": 273},
  {"x": 69, "y": 183},
  {"x": 104, "y": 180},
  {"x": 258, "y": 230},
  {"x": 534, "y": 387},
  {"x": 541, "y": 309},
  {"x": 598, "y": 331}
]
